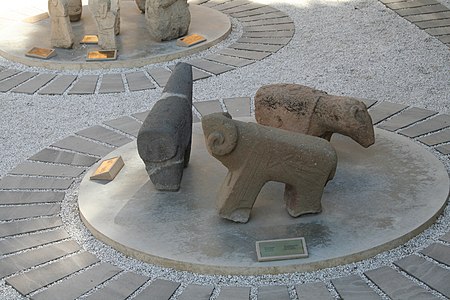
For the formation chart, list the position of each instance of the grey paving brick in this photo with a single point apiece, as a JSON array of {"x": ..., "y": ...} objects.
[
  {"x": 159, "y": 289},
  {"x": 112, "y": 83},
  {"x": 272, "y": 21},
  {"x": 7, "y": 73},
  {"x": 212, "y": 3},
  {"x": 105, "y": 135},
  {"x": 316, "y": 291},
  {"x": 253, "y": 12},
  {"x": 210, "y": 66},
  {"x": 234, "y": 293},
  {"x": 436, "y": 138},
  {"x": 405, "y": 118},
  {"x": 238, "y": 107},
  {"x": 273, "y": 292},
  {"x": 231, "y": 4},
  {"x": 14, "y": 81},
  {"x": 422, "y": 10},
  {"x": 195, "y": 119},
  {"x": 196, "y": 73},
  {"x": 390, "y": 1},
  {"x": 27, "y": 183},
  {"x": 438, "y": 252},
  {"x": 208, "y": 107},
  {"x": 445, "y": 237},
  {"x": 79, "y": 284},
  {"x": 410, "y": 4},
  {"x": 63, "y": 157},
  {"x": 31, "y": 86},
  {"x": 439, "y": 30},
  {"x": 270, "y": 34},
  {"x": 160, "y": 75},
  {"x": 429, "y": 273},
  {"x": 271, "y": 15},
  {"x": 444, "y": 38},
  {"x": 427, "y": 126},
  {"x": 353, "y": 288},
  {"x": 36, "y": 168},
  {"x": 15, "y": 263},
  {"x": 197, "y": 2},
  {"x": 444, "y": 149},
  {"x": 138, "y": 81},
  {"x": 229, "y": 60},
  {"x": 78, "y": 144},
  {"x": 26, "y": 226},
  {"x": 35, "y": 279},
  {"x": 433, "y": 23},
  {"x": 141, "y": 115},
  {"x": 397, "y": 286},
  {"x": 196, "y": 292},
  {"x": 125, "y": 124},
  {"x": 58, "y": 86},
  {"x": 11, "y": 245},
  {"x": 266, "y": 28},
  {"x": 428, "y": 16},
  {"x": 256, "y": 47},
  {"x": 16, "y": 197},
  {"x": 241, "y": 8},
  {"x": 28, "y": 211},
  {"x": 367, "y": 102},
  {"x": 268, "y": 40},
  {"x": 384, "y": 110},
  {"x": 86, "y": 84},
  {"x": 255, "y": 55},
  {"x": 120, "y": 287}
]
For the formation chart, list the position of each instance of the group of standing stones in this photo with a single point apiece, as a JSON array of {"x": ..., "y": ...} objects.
[
  {"x": 297, "y": 153},
  {"x": 166, "y": 20}
]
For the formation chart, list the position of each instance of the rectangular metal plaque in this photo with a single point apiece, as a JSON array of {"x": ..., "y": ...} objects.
[
  {"x": 281, "y": 249},
  {"x": 89, "y": 39},
  {"x": 108, "y": 169},
  {"x": 43, "y": 53},
  {"x": 190, "y": 40},
  {"x": 100, "y": 55}
]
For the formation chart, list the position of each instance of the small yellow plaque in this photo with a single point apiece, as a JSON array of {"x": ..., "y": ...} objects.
[
  {"x": 190, "y": 40},
  {"x": 100, "y": 55},
  {"x": 43, "y": 53},
  {"x": 89, "y": 39},
  {"x": 108, "y": 169},
  {"x": 37, "y": 18}
]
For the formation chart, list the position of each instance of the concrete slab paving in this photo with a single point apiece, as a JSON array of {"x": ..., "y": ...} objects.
[
  {"x": 21, "y": 197},
  {"x": 436, "y": 138},
  {"x": 28, "y": 211},
  {"x": 238, "y": 107},
  {"x": 119, "y": 288},
  {"x": 27, "y": 226},
  {"x": 406, "y": 118},
  {"x": 59, "y": 85},
  {"x": 273, "y": 292},
  {"x": 208, "y": 107},
  {"x": 315, "y": 290},
  {"x": 159, "y": 289},
  {"x": 444, "y": 149},
  {"x": 435, "y": 123},
  {"x": 125, "y": 124},
  {"x": 138, "y": 81},
  {"x": 428, "y": 16},
  {"x": 28, "y": 183},
  {"x": 353, "y": 288},
  {"x": 234, "y": 293},
  {"x": 438, "y": 252},
  {"x": 112, "y": 83},
  {"x": 384, "y": 110},
  {"x": 264, "y": 40},
  {"x": 63, "y": 157},
  {"x": 196, "y": 292},
  {"x": 14, "y": 81},
  {"x": 6, "y": 73},
  {"x": 104, "y": 135},
  {"x": 254, "y": 55},
  {"x": 229, "y": 60},
  {"x": 210, "y": 66},
  {"x": 81, "y": 145},
  {"x": 84, "y": 85},
  {"x": 34, "y": 84},
  {"x": 41, "y": 169},
  {"x": 256, "y": 47},
  {"x": 160, "y": 75}
]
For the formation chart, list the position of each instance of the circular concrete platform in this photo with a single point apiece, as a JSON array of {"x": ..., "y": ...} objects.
[
  {"x": 379, "y": 198},
  {"x": 135, "y": 48}
]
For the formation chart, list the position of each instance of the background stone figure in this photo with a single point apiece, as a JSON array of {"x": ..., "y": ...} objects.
[
  {"x": 106, "y": 19},
  {"x": 255, "y": 154},
  {"x": 303, "y": 109},
  {"x": 164, "y": 139},
  {"x": 141, "y": 5},
  {"x": 167, "y": 19},
  {"x": 61, "y": 30},
  {"x": 75, "y": 10}
]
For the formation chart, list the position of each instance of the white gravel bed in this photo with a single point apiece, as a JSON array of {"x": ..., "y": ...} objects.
[{"x": 357, "y": 48}]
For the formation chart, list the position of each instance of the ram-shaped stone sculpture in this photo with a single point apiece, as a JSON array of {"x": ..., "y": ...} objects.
[
  {"x": 302, "y": 109},
  {"x": 255, "y": 154}
]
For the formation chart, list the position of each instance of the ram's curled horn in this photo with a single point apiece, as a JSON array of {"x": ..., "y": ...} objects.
[{"x": 220, "y": 134}]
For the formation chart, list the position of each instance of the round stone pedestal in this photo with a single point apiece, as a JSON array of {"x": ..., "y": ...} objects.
[{"x": 380, "y": 197}]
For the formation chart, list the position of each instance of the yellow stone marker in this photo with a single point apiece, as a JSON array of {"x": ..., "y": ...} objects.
[
  {"x": 43, "y": 53},
  {"x": 100, "y": 55},
  {"x": 190, "y": 40},
  {"x": 108, "y": 169},
  {"x": 89, "y": 39}
]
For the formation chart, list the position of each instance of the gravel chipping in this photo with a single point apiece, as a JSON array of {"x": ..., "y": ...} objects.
[{"x": 357, "y": 48}]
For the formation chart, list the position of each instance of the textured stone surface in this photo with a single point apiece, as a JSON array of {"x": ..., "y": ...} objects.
[
  {"x": 63, "y": 157},
  {"x": 104, "y": 135},
  {"x": 24, "y": 183},
  {"x": 61, "y": 34},
  {"x": 438, "y": 252},
  {"x": 28, "y": 211},
  {"x": 208, "y": 107},
  {"x": 160, "y": 75},
  {"x": 306, "y": 110},
  {"x": 427, "y": 126},
  {"x": 264, "y": 40},
  {"x": 444, "y": 149},
  {"x": 34, "y": 84},
  {"x": 307, "y": 164},
  {"x": 384, "y": 110},
  {"x": 433, "y": 23},
  {"x": 409, "y": 4},
  {"x": 262, "y": 10},
  {"x": 79, "y": 284},
  {"x": 26, "y": 226},
  {"x": 256, "y": 47},
  {"x": 354, "y": 288},
  {"x": 159, "y": 289},
  {"x": 316, "y": 291},
  {"x": 234, "y": 293},
  {"x": 141, "y": 115},
  {"x": 59, "y": 85},
  {"x": 167, "y": 20},
  {"x": 229, "y": 60},
  {"x": 241, "y": 8},
  {"x": 119, "y": 288},
  {"x": 112, "y": 83},
  {"x": 105, "y": 15},
  {"x": 238, "y": 107},
  {"x": 196, "y": 292},
  {"x": 210, "y": 66},
  {"x": 84, "y": 85},
  {"x": 271, "y": 21},
  {"x": 7, "y": 73},
  {"x": 12, "y": 264},
  {"x": 273, "y": 292},
  {"x": 272, "y": 36},
  {"x": 431, "y": 274},
  {"x": 41, "y": 169},
  {"x": 10, "y": 197},
  {"x": 436, "y": 138},
  {"x": 34, "y": 279},
  {"x": 138, "y": 81},
  {"x": 14, "y": 81},
  {"x": 406, "y": 118},
  {"x": 255, "y": 55},
  {"x": 79, "y": 144},
  {"x": 270, "y": 28},
  {"x": 396, "y": 286},
  {"x": 125, "y": 124},
  {"x": 421, "y": 10}
]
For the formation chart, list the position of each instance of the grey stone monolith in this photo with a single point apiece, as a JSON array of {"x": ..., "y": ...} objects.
[{"x": 61, "y": 30}]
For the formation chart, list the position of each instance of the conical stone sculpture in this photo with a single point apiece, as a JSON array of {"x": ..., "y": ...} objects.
[{"x": 61, "y": 30}]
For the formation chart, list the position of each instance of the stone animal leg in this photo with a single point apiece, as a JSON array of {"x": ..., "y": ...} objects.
[{"x": 303, "y": 200}]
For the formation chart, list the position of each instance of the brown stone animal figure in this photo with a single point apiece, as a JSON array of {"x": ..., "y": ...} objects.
[
  {"x": 303, "y": 109},
  {"x": 255, "y": 154}
]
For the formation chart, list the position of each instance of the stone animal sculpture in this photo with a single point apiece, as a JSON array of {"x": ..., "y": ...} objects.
[
  {"x": 167, "y": 19},
  {"x": 106, "y": 15},
  {"x": 164, "y": 140},
  {"x": 61, "y": 31},
  {"x": 255, "y": 154},
  {"x": 75, "y": 10},
  {"x": 303, "y": 109}
]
